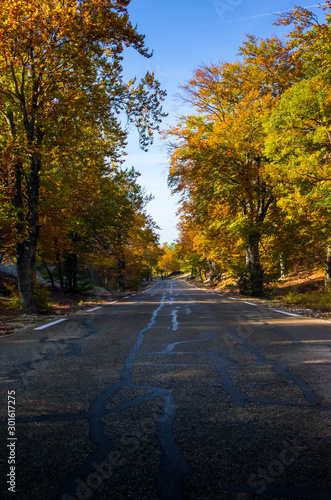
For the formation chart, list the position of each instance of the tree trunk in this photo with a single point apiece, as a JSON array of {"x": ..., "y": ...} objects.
[
  {"x": 59, "y": 270},
  {"x": 27, "y": 224},
  {"x": 49, "y": 275},
  {"x": 120, "y": 273},
  {"x": 70, "y": 267},
  {"x": 211, "y": 269},
  {"x": 253, "y": 264},
  {"x": 327, "y": 276},
  {"x": 282, "y": 266},
  {"x": 27, "y": 239},
  {"x": 92, "y": 277},
  {"x": 26, "y": 272},
  {"x": 215, "y": 273}
]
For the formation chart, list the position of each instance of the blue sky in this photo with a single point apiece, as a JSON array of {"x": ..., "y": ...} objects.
[{"x": 183, "y": 35}]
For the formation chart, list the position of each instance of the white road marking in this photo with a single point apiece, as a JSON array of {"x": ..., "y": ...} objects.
[
  {"x": 250, "y": 303},
  {"x": 232, "y": 298},
  {"x": 95, "y": 308},
  {"x": 288, "y": 314},
  {"x": 50, "y": 324}
]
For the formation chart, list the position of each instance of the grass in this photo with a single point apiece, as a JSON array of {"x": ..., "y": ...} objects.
[
  {"x": 227, "y": 284},
  {"x": 318, "y": 301},
  {"x": 13, "y": 303}
]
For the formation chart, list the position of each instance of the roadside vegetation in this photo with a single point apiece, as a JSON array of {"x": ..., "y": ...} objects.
[
  {"x": 302, "y": 289},
  {"x": 317, "y": 301},
  {"x": 51, "y": 302},
  {"x": 252, "y": 163},
  {"x": 67, "y": 205}
]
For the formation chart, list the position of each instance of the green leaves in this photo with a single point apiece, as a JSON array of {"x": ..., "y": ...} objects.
[
  {"x": 253, "y": 164},
  {"x": 62, "y": 99}
]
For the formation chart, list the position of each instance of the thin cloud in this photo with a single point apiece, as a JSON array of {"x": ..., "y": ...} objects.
[
  {"x": 267, "y": 14},
  {"x": 241, "y": 19}
]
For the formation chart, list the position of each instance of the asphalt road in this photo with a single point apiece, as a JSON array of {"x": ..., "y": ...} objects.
[{"x": 174, "y": 393}]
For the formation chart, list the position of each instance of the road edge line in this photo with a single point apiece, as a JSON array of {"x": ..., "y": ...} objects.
[
  {"x": 50, "y": 324},
  {"x": 288, "y": 314}
]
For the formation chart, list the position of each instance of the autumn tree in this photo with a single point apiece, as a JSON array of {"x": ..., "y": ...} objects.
[
  {"x": 298, "y": 132},
  {"x": 207, "y": 243},
  {"x": 192, "y": 260},
  {"x": 116, "y": 224},
  {"x": 93, "y": 215},
  {"x": 60, "y": 71},
  {"x": 217, "y": 158},
  {"x": 169, "y": 262}
]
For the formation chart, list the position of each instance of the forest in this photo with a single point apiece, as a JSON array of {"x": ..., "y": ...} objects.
[
  {"x": 67, "y": 204},
  {"x": 252, "y": 161}
]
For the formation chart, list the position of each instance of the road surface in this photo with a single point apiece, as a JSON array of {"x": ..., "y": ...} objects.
[{"x": 174, "y": 393}]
